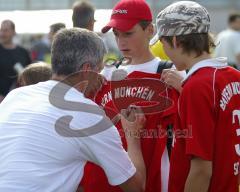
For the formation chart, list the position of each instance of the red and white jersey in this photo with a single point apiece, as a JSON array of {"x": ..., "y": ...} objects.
[
  {"x": 153, "y": 139},
  {"x": 209, "y": 125}
]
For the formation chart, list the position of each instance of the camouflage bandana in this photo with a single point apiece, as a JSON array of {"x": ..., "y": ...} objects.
[{"x": 182, "y": 18}]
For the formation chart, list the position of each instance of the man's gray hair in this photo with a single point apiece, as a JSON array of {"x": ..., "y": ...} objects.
[{"x": 74, "y": 47}]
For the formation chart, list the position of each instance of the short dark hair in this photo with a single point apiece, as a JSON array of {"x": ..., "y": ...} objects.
[
  {"x": 195, "y": 42},
  {"x": 54, "y": 28},
  {"x": 232, "y": 17},
  {"x": 11, "y": 23},
  {"x": 144, "y": 24},
  {"x": 83, "y": 14},
  {"x": 72, "y": 48}
]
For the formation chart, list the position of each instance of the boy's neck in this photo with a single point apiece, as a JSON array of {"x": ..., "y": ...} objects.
[
  {"x": 192, "y": 60},
  {"x": 142, "y": 58}
]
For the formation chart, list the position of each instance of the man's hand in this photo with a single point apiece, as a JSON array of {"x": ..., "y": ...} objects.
[{"x": 133, "y": 121}]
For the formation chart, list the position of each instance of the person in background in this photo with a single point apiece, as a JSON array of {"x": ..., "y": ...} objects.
[
  {"x": 54, "y": 28},
  {"x": 35, "y": 73},
  {"x": 13, "y": 58},
  {"x": 83, "y": 15},
  {"x": 39, "y": 48},
  {"x": 227, "y": 42}
]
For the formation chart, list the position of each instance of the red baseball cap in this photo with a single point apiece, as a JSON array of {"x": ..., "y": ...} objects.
[{"x": 127, "y": 13}]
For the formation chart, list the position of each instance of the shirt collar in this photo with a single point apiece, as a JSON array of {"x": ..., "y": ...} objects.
[{"x": 219, "y": 62}]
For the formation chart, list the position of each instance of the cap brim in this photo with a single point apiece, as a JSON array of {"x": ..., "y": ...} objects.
[
  {"x": 120, "y": 24},
  {"x": 154, "y": 39}
]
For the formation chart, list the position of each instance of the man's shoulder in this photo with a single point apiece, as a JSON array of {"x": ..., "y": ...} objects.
[{"x": 232, "y": 34}]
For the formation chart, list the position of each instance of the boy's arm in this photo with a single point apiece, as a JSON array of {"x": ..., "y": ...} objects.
[{"x": 199, "y": 175}]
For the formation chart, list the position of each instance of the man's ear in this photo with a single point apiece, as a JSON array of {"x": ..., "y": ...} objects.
[{"x": 86, "y": 67}]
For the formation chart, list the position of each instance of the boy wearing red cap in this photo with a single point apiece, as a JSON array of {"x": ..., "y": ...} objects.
[
  {"x": 209, "y": 104},
  {"x": 132, "y": 27}
]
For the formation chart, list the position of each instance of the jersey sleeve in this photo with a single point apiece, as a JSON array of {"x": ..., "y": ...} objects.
[
  {"x": 105, "y": 149},
  {"x": 197, "y": 119}
]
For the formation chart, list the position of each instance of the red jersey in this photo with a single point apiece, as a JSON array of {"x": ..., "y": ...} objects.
[
  {"x": 209, "y": 123},
  {"x": 153, "y": 139}
]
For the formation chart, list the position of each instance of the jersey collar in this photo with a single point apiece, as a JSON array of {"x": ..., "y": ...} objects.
[{"x": 219, "y": 62}]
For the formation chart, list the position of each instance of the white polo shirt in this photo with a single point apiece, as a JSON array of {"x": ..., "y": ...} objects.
[
  {"x": 36, "y": 157},
  {"x": 227, "y": 45}
]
